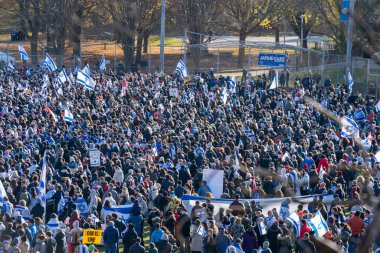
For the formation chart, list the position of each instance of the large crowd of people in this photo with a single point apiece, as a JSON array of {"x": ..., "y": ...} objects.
[{"x": 156, "y": 134}]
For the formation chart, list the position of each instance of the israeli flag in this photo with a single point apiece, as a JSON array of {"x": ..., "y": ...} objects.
[
  {"x": 42, "y": 185},
  {"x": 53, "y": 225},
  {"x": 359, "y": 116},
  {"x": 367, "y": 142},
  {"x": 122, "y": 211},
  {"x": 3, "y": 193},
  {"x": 262, "y": 228},
  {"x": 349, "y": 128},
  {"x": 181, "y": 68},
  {"x": 318, "y": 225},
  {"x": 86, "y": 70},
  {"x": 350, "y": 81},
  {"x": 284, "y": 211},
  {"x": 23, "y": 53},
  {"x": 62, "y": 77},
  {"x": 23, "y": 211},
  {"x": 102, "y": 64},
  {"x": 249, "y": 134},
  {"x": 61, "y": 204},
  {"x": 274, "y": 84},
  {"x": 68, "y": 116},
  {"x": 86, "y": 80},
  {"x": 224, "y": 95},
  {"x": 295, "y": 220},
  {"x": 233, "y": 85},
  {"x": 49, "y": 63},
  {"x": 10, "y": 67},
  {"x": 82, "y": 206}
]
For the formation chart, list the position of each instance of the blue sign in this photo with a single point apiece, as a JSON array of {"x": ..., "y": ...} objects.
[
  {"x": 272, "y": 60},
  {"x": 344, "y": 13}
]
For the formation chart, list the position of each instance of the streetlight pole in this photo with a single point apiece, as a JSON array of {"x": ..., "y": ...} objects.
[
  {"x": 349, "y": 36},
  {"x": 162, "y": 35},
  {"x": 301, "y": 44}
]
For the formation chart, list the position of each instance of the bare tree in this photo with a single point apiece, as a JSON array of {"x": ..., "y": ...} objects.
[
  {"x": 198, "y": 16},
  {"x": 248, "y": 17}
]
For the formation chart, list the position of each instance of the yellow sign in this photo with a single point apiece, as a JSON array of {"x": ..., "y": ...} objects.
[{"x": 91, "y": 236}]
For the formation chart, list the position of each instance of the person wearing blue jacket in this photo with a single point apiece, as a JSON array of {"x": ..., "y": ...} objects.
[
  {"x": 111, "y": 238},
  {"x": 157, "y": 234}
]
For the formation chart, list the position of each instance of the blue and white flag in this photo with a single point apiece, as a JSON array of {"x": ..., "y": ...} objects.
[
  {"x": 53, "y": 225},
  {"x": 62, "y": 77},
  {"x": 224, "y": 95},
  {"x": 49, "y": 63},
  {"x": 61, "y": 204},
  {"x": 233, "y": 85},
  {"x": 349, "y": 128},
  {"x": 359, "y": 116},
  {"x": 248, "y": 133},
  {"x": 295, "y": 220},
  {"x": 3, "y": 193},
  {"x": 82, "y": 206},
  {"x": 42, "y": 185},
  {"x": 367, "y": 142},
  {"x": 86, "y": 80},
  {"x": 23, "y": 211},
  {"x": 10, "y": 67},
  {"x": 318, "y": 225},
  {"x": 377, "y": 107},
  {"x": 122, "y": 211},
  {"x": 350, "y": 81},
  {"x": 262, "y": 228},
  {"x": 284, "y": 211},
  {"x": 23, "y": 53},
  {"x": 87, "y": 70},
  {"x": 181, "y": 68},
  {"x": 68, "y": 116},
  {"x": 274, "y": 84},
  {"x": 102, "y": 64}
]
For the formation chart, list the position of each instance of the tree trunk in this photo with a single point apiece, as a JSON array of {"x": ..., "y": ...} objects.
[
  {"x": 304, "y": 40},
  {"x": 195, "y": 50},
  {"x": 242, "y": 38},
  {"x": 139, "y": 47},
  {"x": 76, "y": 32},
  {"x": 33, "y": 48},
  {"x": 277, "y": 32},
  {"x": 128, "y": 51},
  {"x": 145, "y": 43}
]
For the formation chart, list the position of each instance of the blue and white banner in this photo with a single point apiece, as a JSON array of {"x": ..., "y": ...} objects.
[
  {"x": 181, "y": 68},
  {"x": 82, "y": 206},
  {"x": 53, "y": 225},
  {"x": 86, "y": 80},
  {"x": 10, "y": 67},
  {"x": 349, "y": 128},
  {"x": 272, "y": 60},
  {"x": 266, "y": 204},
  {"x": 49, "y": 63},
  {"x": 122, "y": 211},
  {"x": 318, "y": 225},
  {"x": 68, "y": 116},
  {"x": 23, "y": 53},
  {"x": 62, "y": 77},
  {"x": 102, "y": 64}
]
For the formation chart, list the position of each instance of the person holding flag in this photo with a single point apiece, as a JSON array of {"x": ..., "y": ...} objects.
[{"x": 49, "y": 63}]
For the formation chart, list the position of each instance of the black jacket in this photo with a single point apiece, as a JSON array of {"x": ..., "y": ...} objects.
[
  {"x": 137, "y": 248},
  {"x": 129, "y": 239}
]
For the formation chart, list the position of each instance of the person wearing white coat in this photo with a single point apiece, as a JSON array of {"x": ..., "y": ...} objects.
[
  {"x": 304, "y": 183},
  {"x": 118, "y": 176}
]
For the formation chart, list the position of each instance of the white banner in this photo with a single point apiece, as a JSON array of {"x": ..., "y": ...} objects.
[
  {"x": 266, "y": 204},
  {"x": 94, "y": 158},
  {"x": 214, "y": 179}
]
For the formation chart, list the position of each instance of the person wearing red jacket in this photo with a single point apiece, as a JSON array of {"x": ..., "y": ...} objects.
[
  {"x": 323, "y": 163},
  {"x": 305, "y": 228}
]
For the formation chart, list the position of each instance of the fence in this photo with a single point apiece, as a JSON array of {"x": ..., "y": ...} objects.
[{"x": 222, "y": 57}]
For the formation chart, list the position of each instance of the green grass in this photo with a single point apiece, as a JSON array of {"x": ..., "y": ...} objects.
[{"x": 154, "y": 40}]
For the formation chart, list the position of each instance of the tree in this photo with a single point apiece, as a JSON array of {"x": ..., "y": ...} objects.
[
  {"x": 248, "y": 16},
  {"x": 198, "y": 17}
]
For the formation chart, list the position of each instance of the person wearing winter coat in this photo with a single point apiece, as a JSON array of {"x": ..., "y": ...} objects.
[
  {"x": 209, "y": 242},
  {"x": 111, "y": 238},
  {"x": 130, "y": 237},
  {"x": 273, "y": 231},
  {"x": 163, "y": 245},
  {"x": 60, "y": 238},
  {"x": 118, "y": 175},
  {"x": 304, "y": 183},
  {"x": 136, "y": 247},
  {"x": 249, "y": 240}
]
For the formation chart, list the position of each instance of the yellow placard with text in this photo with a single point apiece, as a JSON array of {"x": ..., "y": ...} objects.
[{"x": 92, "y": 236}]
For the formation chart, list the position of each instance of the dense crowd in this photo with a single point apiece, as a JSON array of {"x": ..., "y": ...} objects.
[{"x": 154, "y": 146}]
